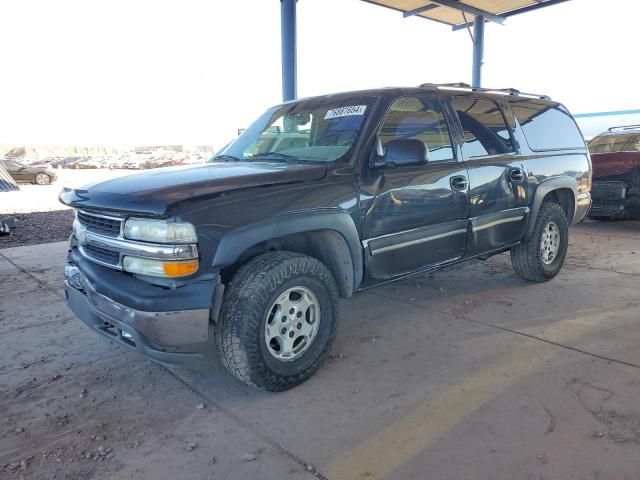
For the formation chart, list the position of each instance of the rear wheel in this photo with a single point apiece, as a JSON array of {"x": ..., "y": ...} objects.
[
  {"x": 279, "y": 318},
  {"x": 43, "y": 179},
  {"x": 541, "y": 257}
]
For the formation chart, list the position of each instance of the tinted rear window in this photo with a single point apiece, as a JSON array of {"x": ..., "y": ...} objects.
[{"x": 547, "y": 127}]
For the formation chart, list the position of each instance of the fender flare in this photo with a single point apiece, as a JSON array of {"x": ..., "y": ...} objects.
[
  {"x": 346, "y": 250},
  {"x": 546, "y": 186}
]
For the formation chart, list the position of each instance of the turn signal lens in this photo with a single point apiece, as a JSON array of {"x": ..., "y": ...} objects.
[
  {"x": 159, "y": 268},
  {"x": 180, "y": 269}
]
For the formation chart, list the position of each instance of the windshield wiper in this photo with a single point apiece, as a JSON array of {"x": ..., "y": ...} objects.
[
  {"x": 276, "y": 155},
  {"x": 225, "y": 158}
]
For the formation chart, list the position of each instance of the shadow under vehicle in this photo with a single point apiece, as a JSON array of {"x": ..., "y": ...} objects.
[
  {"x": 318, "y": 199},
  {"x": 615, "y": 155}
]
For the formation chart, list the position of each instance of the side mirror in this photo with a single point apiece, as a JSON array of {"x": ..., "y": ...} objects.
[{"x": 402, "y": 152}]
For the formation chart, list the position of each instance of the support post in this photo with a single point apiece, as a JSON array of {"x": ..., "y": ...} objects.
[
  {"x": 288, "y": 39},
  {"x": 478, "y": 51}
]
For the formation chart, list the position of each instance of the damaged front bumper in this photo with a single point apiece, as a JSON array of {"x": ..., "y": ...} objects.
[{"x": 168, "y": 326}]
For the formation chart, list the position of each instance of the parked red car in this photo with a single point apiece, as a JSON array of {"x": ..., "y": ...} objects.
[{"x": 615, "y": 156}]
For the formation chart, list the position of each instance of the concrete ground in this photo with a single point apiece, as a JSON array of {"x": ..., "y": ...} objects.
[{"x": 468, "y": 373}]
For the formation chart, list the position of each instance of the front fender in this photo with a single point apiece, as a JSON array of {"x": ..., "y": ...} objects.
[{"x": 346, "y": 252}]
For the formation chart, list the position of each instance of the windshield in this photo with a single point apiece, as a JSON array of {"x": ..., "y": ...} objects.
[
  {"x": 315, "y": 130},
  {"x": 615, "y": 143},
  {"x": 11, "y": 164}
]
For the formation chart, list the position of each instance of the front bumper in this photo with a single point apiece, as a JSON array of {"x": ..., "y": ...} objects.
[{"x": 167, "y": 335}]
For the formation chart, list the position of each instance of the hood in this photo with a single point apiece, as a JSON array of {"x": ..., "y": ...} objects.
[
  {"x": 614, "y": 164},
  {"x": 164, "y": 191}
]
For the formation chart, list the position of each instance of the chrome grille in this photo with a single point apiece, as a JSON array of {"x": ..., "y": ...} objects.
[
  {"x": 100, "y": 239},
  {"x": 102, "y": 255},
  {"x": 101, "y": 224}
]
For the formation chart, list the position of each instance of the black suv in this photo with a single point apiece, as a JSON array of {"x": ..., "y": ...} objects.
[{"x": 362, "y": 188}]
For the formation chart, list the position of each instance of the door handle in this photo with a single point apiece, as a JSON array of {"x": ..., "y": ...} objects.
[
  {"x": 459, "y": 182},
  {"x": 516, "y": 175}
]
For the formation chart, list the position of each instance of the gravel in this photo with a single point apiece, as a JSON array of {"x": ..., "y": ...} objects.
[{"x": 39, "y": 227}]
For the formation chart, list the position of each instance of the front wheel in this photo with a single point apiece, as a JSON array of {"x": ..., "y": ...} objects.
[
  {"x": 279, "y": 318},
  {"x": 541, "y": 257}
]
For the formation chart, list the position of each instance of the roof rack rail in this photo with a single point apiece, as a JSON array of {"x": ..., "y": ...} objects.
[
  {"x": 625, "y": 127},
  {"x": 453, "y": 84},
  {"x": 465, "y": 86}
]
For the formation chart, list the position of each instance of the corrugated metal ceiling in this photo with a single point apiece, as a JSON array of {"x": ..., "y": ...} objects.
[{"x": 453, "y": 16}]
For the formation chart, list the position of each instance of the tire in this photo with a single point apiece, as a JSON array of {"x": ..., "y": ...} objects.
[
  {"x": 42, "y": 179},
  {"x": 528, "y": 258},
  {"x": 249, "y": 314}
]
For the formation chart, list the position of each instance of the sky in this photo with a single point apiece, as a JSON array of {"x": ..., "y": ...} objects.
[{"x": 159, "y": 72}]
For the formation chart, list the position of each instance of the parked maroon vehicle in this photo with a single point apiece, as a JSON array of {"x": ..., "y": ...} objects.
[{"x": 615, "y": 156}]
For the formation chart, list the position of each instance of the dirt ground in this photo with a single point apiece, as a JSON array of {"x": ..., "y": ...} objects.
[
  {"x": 468, "y": 373},
  {"x": 39, "y": 227}
]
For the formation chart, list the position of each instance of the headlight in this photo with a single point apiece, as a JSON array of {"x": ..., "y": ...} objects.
[
  {"x": 159, "y": 231},
  {"x": 159, "y": 268}
]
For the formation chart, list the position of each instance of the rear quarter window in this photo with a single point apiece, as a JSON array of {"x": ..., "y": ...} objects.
[{"x": 547, "y": 126}]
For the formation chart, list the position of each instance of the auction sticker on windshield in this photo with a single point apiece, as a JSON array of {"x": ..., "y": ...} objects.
[{"x": 345, "y": 111}]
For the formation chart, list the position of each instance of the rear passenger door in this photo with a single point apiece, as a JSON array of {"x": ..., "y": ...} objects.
[
  {"x": 415, "y": 215},
  {"x": 499, "y": 201}
]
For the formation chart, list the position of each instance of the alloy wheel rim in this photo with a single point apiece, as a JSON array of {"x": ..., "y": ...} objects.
[
  {"x": 42, "y": 179},
  {"x": 550, "y": 243},
  {"x": 291, "y": 324}
]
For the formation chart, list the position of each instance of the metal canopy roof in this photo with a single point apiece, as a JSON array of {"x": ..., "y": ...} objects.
[
  {"x": 456, "y": 13},
  {"x": 460, "y": 13}
]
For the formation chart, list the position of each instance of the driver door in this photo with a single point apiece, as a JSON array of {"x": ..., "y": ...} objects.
[{"x": 416, "y": 214}]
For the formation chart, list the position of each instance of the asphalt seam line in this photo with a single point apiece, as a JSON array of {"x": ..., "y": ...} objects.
[
  {"x": 589, "y": 267},
  {"x": 504, "y": 329},
  {"x": 551, "y": 342},
  {"x": 33, "y": 325},
  {"x": 248, "y": 426},
  {"x": 33, "y": 277}
]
